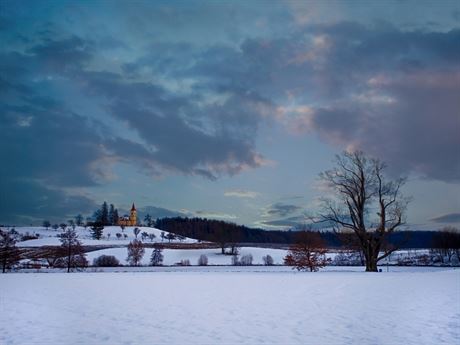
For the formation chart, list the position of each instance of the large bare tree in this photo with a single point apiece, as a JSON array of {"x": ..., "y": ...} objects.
[{"x": 365, "y": 201}]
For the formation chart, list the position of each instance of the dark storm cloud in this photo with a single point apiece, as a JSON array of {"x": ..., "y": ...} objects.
[
  {"x": 27, "y": 201},
  {"x": 447, "y": 218},
  {"x": 195, "y": 109}
]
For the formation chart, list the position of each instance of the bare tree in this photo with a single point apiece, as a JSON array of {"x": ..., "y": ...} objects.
[
  {"x": 360, "y": 189},
  {"x": 135, "y": 252},
  {"x": 136, "y": 231},
  {"x": 72, "y": 250},
  {"x": 308, "y": 253},
  {"x": 446, "y": 244},
  {"x": 9, "y": 253}
]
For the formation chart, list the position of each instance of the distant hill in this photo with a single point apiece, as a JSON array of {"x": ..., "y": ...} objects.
[{"x": 217, "y": 231}]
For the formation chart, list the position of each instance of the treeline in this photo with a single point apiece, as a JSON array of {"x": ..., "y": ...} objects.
[{"x": 220, "y": 231}]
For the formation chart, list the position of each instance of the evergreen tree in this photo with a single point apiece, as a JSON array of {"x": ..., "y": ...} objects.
[
  {"x": 105, "y": 214},
  {"x": 111, "y": 215},
  {"x": 96, "y": 231},
  {"x": 157, "y": 257},
  {"x": 148, "y": 220},
  {"x": 115, "y": 217},
  {"x": 79, "y": 219}
]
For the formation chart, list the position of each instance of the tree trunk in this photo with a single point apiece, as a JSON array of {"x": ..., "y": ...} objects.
[{"x": 371, "y": 258}]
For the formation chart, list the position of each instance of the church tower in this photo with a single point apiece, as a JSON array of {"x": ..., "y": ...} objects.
[{"x": 133, "y": 216}]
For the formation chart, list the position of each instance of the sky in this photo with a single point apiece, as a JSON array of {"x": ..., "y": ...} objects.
[{"x": 224, "y": 109}]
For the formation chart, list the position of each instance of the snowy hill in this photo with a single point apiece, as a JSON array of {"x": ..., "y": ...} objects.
[{"x": 50, "y": 237}]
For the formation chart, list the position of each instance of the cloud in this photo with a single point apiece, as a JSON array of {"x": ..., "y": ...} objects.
[
  {"x": 447, "y": 218},
  {"x": 158, "y": 212},
  {"x": 280, "y": 210},
  {"x": 217, "y": 215},
  {"x": 29, "y": 202},
  {"x": 240, "y": 193}
]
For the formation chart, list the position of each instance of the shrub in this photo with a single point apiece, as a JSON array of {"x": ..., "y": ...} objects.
[
  {"x": 246, "y": 260},
  {"x": 185, "y": 262},
  {"x": 268, "y": 260},
  {"x": 106, "y": 261},
  {"x": 203, "y": 260}
]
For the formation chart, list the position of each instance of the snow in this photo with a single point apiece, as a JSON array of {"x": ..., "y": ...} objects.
[
  {"x": 202, "y": 305},
  {"x": 49, "y": 237},
  {"x": 173, "y": 256}
]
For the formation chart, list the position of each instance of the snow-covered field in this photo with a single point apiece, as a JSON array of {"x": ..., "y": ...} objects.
[
  {"x": 48, "y": 237},
  {"x": 173, "y": 256},
  {"x": 203, "y": 306}
]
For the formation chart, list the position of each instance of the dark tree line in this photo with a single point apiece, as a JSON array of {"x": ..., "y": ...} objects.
[{"x": 219, "y": 231}]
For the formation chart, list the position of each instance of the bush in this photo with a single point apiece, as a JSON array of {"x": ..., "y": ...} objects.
[
  {"x": 185, "y": 262},
  {"x": 235, "y": 261},
  {"x": 246, "y": 260},
  {"x": 203, "y": 260},
  {"x": 106, "y": 261},
  {"x": 268, "y": 260}
]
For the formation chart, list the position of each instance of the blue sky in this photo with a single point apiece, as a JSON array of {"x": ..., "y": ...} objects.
[{"x": 226, "y": 110}]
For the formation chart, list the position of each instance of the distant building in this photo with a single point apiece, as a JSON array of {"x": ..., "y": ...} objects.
[{"x": 130, "y": 220}]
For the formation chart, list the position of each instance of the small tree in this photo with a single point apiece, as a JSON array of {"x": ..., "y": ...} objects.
[
  {"x": 63, "y": 226},
  {"x": 308, "y": 253},
  {"x": 151, "y": 236},
  {"x": 268, "y": 260},
  {"x": 135, "y": 252},
  {"x": 9, "y": 253},
  {"x": 170, "y": 237},
  {"x": 75, "y": 256},
  {"x": 157, "y": 257},
  {"x": 163, "y": 236},
  {"x": 118, "y": 235},
  {"x": 144, "y": 235},
  {"x": 46, "y": 224},
  {"x": 96, "y": 231},
  {"x": 55, "y": 227},
  {"x": 136, "y": 232},
  {"x": 203, "y": 260}
]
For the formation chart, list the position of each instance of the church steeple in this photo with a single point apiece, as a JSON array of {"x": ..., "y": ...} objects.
[{"x": 133, "y": 208}]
